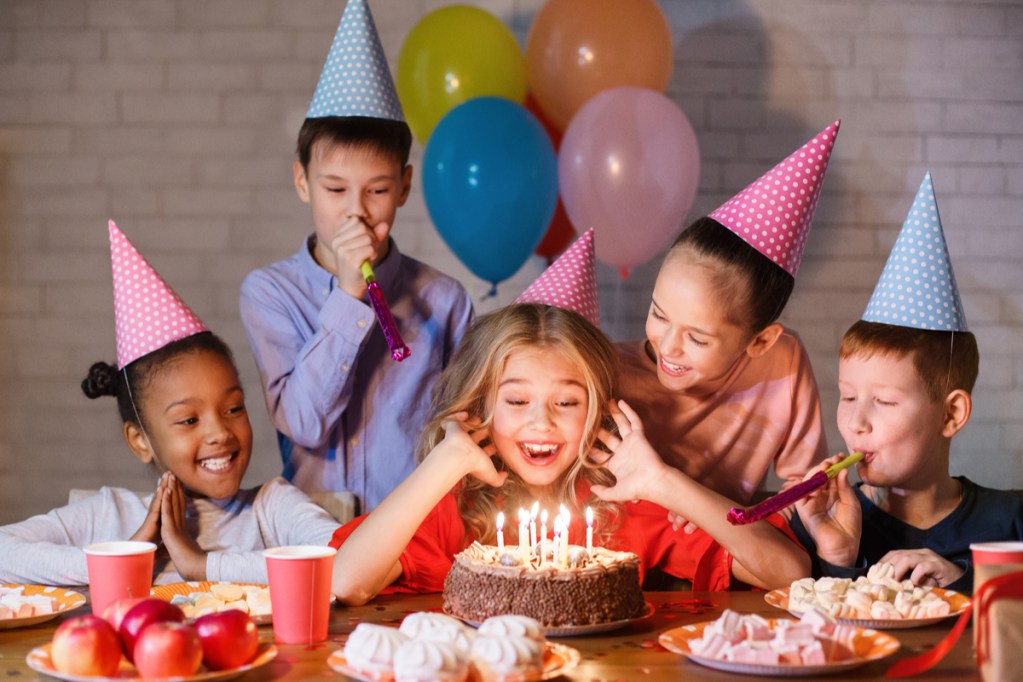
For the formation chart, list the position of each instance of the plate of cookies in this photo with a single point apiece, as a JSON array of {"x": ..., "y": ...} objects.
[{"x": 876, "y": 600}]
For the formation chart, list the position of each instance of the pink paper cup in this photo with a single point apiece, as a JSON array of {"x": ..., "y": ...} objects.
[
  {"x": 118, "y": 570},
  {"x": 300, "y": 578}
]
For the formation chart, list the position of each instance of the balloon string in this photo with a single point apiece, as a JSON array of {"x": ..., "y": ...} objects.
[{"x": 491, "y": 293}]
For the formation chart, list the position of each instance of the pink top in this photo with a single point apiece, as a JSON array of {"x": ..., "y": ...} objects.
[{"x": 766, "y": 410}]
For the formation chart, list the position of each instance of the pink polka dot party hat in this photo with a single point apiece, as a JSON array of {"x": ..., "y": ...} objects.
[
  {"x": 356, "y": 80},
  {"x": 148, "y": 314},
  {"x": 917, "y": 287},
  {"x": 570, "y": 282},
  {"x": 773, "y": 214}
]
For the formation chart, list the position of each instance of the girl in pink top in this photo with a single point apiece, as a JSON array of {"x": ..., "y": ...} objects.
[
  {"x": 724, "y": 389},
  {"x": 518, "y": 416}
]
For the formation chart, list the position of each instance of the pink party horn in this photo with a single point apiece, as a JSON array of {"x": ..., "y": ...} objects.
[
  {"x": 739, "y": 517},
  {"x": 399, "y": 351}
]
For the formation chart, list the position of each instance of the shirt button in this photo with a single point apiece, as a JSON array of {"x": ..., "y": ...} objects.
[
  {"x": 326, "y": 292},
  {"x": 353, "y": 442},
  {"x": 344, "y": 366},
  {"x": 361, "y": 324}
]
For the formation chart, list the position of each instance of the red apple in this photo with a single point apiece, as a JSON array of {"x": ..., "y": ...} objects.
[
  {"x": 168, "y": 649},
  {"x": 142, "y": 615},
  {"x": 229, "y": 639},
  {"x": 115, "y": 611},
  {"x": 86, "y": 646}
]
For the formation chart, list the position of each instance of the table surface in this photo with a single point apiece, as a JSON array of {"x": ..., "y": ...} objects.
[{"x": 631, "y": 653}]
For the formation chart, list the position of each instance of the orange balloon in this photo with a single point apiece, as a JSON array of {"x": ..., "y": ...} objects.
[{"x": 577, "y": 48}]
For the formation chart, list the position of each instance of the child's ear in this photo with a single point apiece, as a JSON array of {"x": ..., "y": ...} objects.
[
  {"x": 958, "y": 406},
  {"x": 406, "y": 184},
  {"x": 301, "y": 182},
  {"x": 764, "y": 340},
  {"x": 138, "y": 443}
]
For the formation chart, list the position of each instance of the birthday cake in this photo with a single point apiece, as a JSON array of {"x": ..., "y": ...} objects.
[{"x": 581, "y": 588}]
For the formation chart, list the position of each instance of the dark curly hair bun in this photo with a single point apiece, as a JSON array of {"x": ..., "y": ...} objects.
[{"x": 102, "y": 380}]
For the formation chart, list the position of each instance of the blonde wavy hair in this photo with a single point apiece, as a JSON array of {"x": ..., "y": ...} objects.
[{"x": 470, "y": 382}]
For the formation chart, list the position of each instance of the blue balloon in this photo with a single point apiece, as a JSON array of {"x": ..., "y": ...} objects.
[{"x": 490, "y": 179}]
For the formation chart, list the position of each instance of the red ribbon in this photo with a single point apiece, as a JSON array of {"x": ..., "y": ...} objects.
[{"x": 1008, "y": 586}]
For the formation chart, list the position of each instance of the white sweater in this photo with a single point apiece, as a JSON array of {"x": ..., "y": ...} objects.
[{"x": 47, "y": 549}]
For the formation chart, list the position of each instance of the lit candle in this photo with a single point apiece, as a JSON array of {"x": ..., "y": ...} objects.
[
  {"x": 543, "y": 526},
  {"x": 566, "y": 520},
  {"x": 532, "y": 523},
  {"x": 589, "y": 530},
  {"x": 523, "y": 532},
  {"x": 500, "y": 530},
  {"x": 556, "y": 549}
]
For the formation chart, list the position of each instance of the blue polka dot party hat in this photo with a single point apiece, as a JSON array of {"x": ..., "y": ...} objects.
[
  {"x": 917, "y": 288},
  {"x": 356, "y": 80}
]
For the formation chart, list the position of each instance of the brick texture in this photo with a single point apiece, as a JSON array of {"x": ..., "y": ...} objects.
[{"x": 178, "y": 120}]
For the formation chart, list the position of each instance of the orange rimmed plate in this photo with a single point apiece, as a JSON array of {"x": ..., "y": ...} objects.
[
  {"x": 558, "y": 659},
  {"x": 66, "y": 600},
  {"x": 39, "y": 660},
  {"x": 171, "y": 590},
  {"x": 865, "y": 646},
  {"x": 780, "y": 599}
]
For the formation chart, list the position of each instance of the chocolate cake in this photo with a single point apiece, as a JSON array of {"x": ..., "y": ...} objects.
[{"x": 598, "y": 587}]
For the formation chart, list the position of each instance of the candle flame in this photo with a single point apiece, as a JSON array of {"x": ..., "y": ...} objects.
[
  {"x": 500, "y": 519},
  {"x": 589, "y": 516},
  {"x": 543, "y": 516},
  {"x": 534, "y": 510}
]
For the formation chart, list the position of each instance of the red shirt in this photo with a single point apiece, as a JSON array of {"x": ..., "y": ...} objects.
[{"x": 644, "y": 530}]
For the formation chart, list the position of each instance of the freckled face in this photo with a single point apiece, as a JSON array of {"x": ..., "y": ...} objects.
[
  {"x": 540, "y": 415},
  {"x": 693, "y": 341}
]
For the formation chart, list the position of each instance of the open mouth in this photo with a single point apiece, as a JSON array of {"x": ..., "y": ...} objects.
[
  {"x": 540, "y": 453},
  {"x": 218, "y": 464},
  {"x": 672, "y": 369}
]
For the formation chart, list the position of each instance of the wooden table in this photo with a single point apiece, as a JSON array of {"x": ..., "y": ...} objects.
[{"x": 630, "y": 654}]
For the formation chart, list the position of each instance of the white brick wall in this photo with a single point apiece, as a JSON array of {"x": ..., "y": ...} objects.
[{"x": 178, "y": 118}]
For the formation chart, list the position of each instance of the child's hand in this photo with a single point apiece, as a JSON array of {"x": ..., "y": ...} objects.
[
  {"x": 188, "y": 557},
  {"x": 469, "y": 449},
  {"x": 925, "y": 567},
  {"x": 634, "y": 463},
  {"x": 149, "y": 531},
  {"x": 354, "y": 243},
  {"x": 833, "y": 517}
]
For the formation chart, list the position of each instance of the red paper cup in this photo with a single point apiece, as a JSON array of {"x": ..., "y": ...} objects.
[
  {"x": 300, "y": 578},
  {"x": 992, "y": 559},
  {"x": 118, "y": 570}
]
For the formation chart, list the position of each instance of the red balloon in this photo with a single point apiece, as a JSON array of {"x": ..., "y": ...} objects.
[{"x": 560, "y": 231}]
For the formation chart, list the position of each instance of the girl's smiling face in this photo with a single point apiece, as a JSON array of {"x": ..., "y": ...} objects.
[
  {"x": 539, "y": 418},
  {"x": 194, "y": 415},
  {"x": 693, "y": 340}
]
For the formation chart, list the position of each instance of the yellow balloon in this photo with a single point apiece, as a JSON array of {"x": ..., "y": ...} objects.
[{"x": 452, "y": 55}]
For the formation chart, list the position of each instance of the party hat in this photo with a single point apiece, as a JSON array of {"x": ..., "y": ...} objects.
[
  {"x": 917, "y": 287},
  {"x": 570, "y": 282},
  {"x": 773, "y": 214},
  {"x": 147, "y": 312},
  {"x": 356, "y": 80}
]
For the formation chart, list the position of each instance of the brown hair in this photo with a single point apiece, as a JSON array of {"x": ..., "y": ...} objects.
[
  {"x": 469, "y": 384},
  {"x": 945, "y": 361},
  {"x": 758, "y": 288},
  {"x": 390, "y": 138}
]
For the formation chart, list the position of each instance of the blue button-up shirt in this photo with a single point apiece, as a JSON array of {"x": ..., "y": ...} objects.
[{"x": 347, "y": 415}]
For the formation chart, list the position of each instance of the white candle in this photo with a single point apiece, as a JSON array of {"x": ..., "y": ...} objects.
[
  {"x": 556, "y": 550},
  {"x": 566, "y": 520},
  {"x": 589, "y": 530},
  {"x": 523, "y": 532},
  {"x": 543, "y": 525},
  {"x": 500, "y": 530},
  {"x": 532, "y": 523}
]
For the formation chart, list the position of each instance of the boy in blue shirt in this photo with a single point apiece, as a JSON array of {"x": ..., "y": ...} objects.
[
  {"x": 347, "y": 415},
  {"x": 906, "y": 372}
]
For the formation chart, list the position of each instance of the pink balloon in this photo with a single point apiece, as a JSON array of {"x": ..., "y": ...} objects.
[{"x": 628, "y": 167}]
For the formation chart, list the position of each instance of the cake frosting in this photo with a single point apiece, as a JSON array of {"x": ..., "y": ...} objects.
[
  {"x": 371, "y": 649},
  {"x": 590, "y": 588},
  {"x": 420, "y": 660},
  {"x": 508, "y": 658}
]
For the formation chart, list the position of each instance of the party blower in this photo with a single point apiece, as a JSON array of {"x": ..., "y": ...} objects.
[
  {"x": 399, "y": 351},
  {"x": 739, "y": 517}
]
